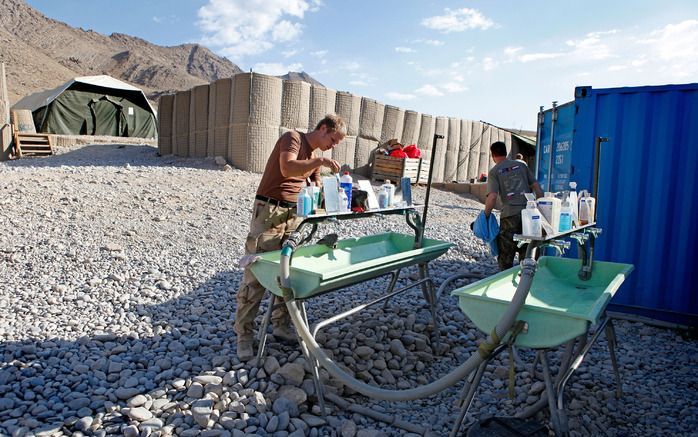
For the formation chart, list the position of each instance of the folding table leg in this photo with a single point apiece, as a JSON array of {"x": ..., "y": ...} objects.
[
  {"x": 556, "y": 416},
  {"x": 391, "y": 286},
  {"x": 611, "y": 338},
  {"x": 314, "y": 364},
  {"x": 430, "y": 296},
  {"x": 262, "y": 335},
  {"x": 471, "y": 388}
]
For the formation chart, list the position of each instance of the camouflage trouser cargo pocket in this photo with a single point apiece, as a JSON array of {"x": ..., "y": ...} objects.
[
  {"x": 269, "y": 227},
  {"x": 508, "y": 226}
]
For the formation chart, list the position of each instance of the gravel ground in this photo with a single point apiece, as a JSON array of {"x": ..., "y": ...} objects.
[{"x": 119, "y": 271}]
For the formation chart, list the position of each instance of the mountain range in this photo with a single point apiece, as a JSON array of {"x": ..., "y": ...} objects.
[{"x": 41, "y": 53}]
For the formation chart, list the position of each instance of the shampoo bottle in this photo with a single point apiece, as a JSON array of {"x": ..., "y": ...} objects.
[
  {"x": 383, "y": 197},
  {"x": 304, "y": 203},
  {"x": 346, "y": 183},
  {"x": 549, "y": 206},
  {"x": 390, "y": 189},
  {"x": 587, "y": 209},
  {"x": 531, "y": 220},
  {"x": 343, "y": 201},
  {"x": 565, "y": 217},
  {"x": 574, "y": 203}
]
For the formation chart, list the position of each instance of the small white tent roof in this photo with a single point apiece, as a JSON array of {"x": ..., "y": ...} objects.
[{"x": 43, "y": 98}]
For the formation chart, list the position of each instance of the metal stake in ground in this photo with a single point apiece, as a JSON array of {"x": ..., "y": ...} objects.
[{"x": 426, "y": 197}]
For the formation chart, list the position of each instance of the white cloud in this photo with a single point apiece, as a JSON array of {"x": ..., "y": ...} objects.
[
  {"x": 429, "y": 90},
  {"x": 430, "y": 42},
  {"x": 592, "y": 46},
  {"x": 358, "y": 83},
  {"x": 241, "y": 28},
  {"x": 319, "y": 53},
  {"x": 404, "y": 50},
  {"x": 276, "y": 68},
  {"x": 400, "y": 96},
  {"x": 286, "y": 31},
  {"x": 668, "y": 53},
  {"x": 290, "y": 53},
  {"x": 489, "y": 64},
  {"x": 434, "y": 42},
  {"x": 454, "y": 87},
  {"x": 531, "y": 57},
  {"x": 511, "y": 51},
  {"x": 349, "y": 66},
  {"x": 642, "y": 60},
  {"x": 458, "y": 20},
  {"x": 675, "y": 41},
  {"x": 170, "y": 19}
]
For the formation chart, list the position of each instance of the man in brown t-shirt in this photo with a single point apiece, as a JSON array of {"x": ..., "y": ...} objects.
[{"x": 274, "y": 216}]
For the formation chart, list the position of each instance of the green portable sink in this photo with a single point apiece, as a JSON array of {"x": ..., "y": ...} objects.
[
  {"x": 318, "y": 268},
  {"x": 559, "y": 306}
]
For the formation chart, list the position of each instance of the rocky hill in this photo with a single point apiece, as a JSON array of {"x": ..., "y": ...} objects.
[{"x": 41, "y": 53}]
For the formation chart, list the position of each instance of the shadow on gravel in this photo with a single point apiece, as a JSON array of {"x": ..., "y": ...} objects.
[
  {"x": 74, "y": 385},
  {"x": 112, "y": 155}
]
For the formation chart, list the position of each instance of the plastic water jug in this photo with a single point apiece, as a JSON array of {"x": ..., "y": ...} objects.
[
  {"x": 390, "y": 189},
  {"x": 346, "y": 183},
  {"x": 343, "y": 201},
  {"x": 587, "y": 209},
  {"x": 304, "y": 203},
  {"x": 531, "y": 220},
  {"x": 549, "y": 206},
  {"x": 565, "y": 217}
]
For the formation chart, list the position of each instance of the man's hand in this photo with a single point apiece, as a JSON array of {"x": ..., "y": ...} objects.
[
  {"x": 489, "y": 203},
  {"x": 331, "y": 164}
]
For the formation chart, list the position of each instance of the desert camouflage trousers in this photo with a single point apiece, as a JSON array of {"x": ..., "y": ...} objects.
[
  {"x": 270, "y": 226},
  {"x": 508, "y": 226}
]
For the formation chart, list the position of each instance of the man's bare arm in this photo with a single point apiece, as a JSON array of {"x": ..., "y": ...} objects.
[
  {"x": 489, "y": 203},
  {"x": 291, "y": 166},
  {"x": 537, "y": 190}
]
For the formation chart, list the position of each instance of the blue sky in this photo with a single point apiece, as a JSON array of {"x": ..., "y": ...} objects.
[{"x": 496, "y": 61}]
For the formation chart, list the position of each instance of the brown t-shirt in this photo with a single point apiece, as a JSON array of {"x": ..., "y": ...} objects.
[{"x": 273, "y": 183}]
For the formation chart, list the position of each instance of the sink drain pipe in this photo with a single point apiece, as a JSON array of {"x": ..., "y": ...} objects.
[{"x": 503, "y": 326}]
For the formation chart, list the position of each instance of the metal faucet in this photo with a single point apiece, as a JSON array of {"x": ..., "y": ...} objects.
[
  {"x": 559, "y": 245},
  {"x": 587, "y": 255}
]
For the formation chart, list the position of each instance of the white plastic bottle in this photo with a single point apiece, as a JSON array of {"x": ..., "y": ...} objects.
[
  {"x": 346, "y": 183},
  {"x": 549, "y": 206},
  {"x": 587, "y": 209},
  {"x": 390, "y": 189},
  {"x": 574, "y": 203},
  {"x": 565, "y": 217},
  {"x": 314, "y": 192},
  {"x": 531, "y": 220},
  {"x": 383, "y": 197},
  {"x": 304, "y": 203},
  {"x": 343, "y": 201}
]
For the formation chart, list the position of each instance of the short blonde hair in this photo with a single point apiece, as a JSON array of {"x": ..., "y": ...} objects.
[{"x": 334, "y": 123}]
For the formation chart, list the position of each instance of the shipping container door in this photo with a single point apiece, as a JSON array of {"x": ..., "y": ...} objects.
[{"x": 553, "y": 172}]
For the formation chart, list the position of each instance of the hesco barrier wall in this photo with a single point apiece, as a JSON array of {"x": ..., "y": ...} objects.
[{"x": 241, "y": 117}]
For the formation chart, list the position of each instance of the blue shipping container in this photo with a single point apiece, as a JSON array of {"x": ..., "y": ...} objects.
[{"x": 647, "y": 196}]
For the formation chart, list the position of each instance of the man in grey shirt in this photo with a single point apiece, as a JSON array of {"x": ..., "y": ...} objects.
[{"x": 509, "y": 180}]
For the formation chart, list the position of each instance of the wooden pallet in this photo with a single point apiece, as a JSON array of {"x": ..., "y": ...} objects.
[
  {"x": 27, "y": 144},
  {"x": 394, "y": 169}
]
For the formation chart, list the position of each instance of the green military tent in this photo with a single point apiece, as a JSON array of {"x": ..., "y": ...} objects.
[{"x": 92, "y": 105}]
